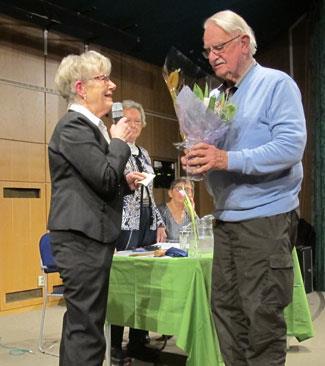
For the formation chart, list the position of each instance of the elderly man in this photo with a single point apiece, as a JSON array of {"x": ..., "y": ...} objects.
[{"x": 255, "y": 176}]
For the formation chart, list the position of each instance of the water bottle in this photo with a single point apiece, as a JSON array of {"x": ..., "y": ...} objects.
[
  {"x": 206, "y": 234},
  {"x": 184, "y": 237}
]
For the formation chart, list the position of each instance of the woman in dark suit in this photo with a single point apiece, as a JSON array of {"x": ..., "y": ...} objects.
[{"x": 88, "y": 185}]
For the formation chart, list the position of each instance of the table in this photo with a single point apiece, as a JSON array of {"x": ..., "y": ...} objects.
[{"x": 171, "y": 296}]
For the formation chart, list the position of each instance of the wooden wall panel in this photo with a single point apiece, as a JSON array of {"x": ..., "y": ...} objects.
[
  {"x": 15, "y": 63},
  {"x": 59, "y": 46},
  {"x": 137, "y": 82},
  {"x": 161, "y": 195},
  {"x": 48, "y": 198},
  {"x": 144, "y": 83},
  {"x": 164, "y": 134},
  {"x": 22, "y": 116},
  {"x": 22, "y": 223},
  {"x": 302, "y": 75},
  {"x": 277, "y": 56},
  {"x": 47, "y": 167},
  {"x": 56, "y": 107},
  {"x": 22, "y": 161},
  {"x": 52, "y": 65},
  {"x": 162, "y": 101}
]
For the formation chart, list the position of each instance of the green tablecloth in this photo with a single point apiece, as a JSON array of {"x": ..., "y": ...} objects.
[{"x": 171, "y": 296}]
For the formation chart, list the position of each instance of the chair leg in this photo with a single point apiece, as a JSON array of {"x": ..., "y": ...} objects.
[
  {"x": 41, "y": 334},
  {"x": 42, "y": 326},
  {"x": 107, "y": 332}
]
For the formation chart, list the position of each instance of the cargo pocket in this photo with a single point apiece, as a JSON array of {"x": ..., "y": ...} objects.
[{"x": 279, "y": 288}]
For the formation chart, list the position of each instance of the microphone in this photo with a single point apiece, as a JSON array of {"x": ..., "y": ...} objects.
[{"x": 117, "y": 111}]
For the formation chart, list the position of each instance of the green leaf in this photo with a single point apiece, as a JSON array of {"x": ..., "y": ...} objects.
[
  {"x": 206, "y": 91},
  {"x": 212, "y": 103},
  {"x": 229, "y": 111},
  {"x": 193, "y": 216},
  {"x": 198, "y": 91}
]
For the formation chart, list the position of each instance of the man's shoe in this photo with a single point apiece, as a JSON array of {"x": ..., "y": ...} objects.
[
  {"x": 143, "y": 353},
  {"x": 119, "y": 357}
]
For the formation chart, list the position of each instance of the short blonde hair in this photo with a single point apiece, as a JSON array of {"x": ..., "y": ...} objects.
[
  {"x": 231, "y": 22},
  {"x": 128, "y": 104},
  {"x": 79, "y": 67}
]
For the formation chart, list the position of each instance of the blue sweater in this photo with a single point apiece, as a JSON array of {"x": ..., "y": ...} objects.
[{"x": 265, "y": 145}]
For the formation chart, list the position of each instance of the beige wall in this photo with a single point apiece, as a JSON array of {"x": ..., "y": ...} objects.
[{"x": 30, "y": 110}]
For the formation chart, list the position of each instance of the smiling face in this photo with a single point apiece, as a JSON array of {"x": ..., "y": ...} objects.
[
  {"x": 230, "y": 61},
  {"x": 133, "y": 116},
  {"x": 96, "y": 94}
]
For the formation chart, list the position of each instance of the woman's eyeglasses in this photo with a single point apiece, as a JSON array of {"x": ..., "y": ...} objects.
[
  {"x": 103, "y": 77},
  {"x": 186, "y": 189},
  {"x": 137, "y": 122},
  {"x": 218, "y": 48}
]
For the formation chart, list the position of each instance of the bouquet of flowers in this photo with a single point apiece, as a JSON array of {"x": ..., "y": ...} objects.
[{"x": 202, "y": 116}]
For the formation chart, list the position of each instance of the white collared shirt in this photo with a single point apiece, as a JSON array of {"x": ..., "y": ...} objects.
[
  {"x": 134, "y": 148},
  {"x": 94, "y": 119}
]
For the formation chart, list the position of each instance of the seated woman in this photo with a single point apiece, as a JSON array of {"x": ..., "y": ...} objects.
[{"x": 173, "y": 212}]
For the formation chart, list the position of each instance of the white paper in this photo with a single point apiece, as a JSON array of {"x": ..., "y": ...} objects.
[
  {"x": 167, "y": 245},
  {"x": 148, "y": 179}
]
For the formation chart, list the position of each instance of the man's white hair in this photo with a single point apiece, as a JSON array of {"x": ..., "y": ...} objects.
[{"x": 233, "y": 23}]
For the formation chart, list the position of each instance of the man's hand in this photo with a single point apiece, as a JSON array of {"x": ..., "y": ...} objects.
[
  {"x": 203, "y": 157},
  {"x": 133, "y": 179}
]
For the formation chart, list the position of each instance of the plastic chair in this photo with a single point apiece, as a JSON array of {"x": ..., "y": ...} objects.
[{"x": 48, "y": 266}]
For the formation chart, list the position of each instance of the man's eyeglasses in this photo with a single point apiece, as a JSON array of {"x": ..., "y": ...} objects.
[
  {"x": 217, "y": 48},
  {"x": 103, "y": 77}
]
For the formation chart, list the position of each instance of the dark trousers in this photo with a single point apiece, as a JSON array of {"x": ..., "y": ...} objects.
[
  {"x": 137, "y": 337},
  {"x": 129, "y": 239},
  {"x": 252, "y": 283},
  {"x": 84, "y": 266}
]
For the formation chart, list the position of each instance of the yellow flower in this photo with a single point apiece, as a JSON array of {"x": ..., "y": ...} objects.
[{"x": 172, "y": 81}]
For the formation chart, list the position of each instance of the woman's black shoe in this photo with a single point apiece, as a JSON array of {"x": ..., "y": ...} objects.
[
  {"x": 119, "y": 357},
  {"x": 143, "y": 353}
]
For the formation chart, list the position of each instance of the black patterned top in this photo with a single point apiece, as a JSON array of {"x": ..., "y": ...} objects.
[{"x": 131, "y": 202}]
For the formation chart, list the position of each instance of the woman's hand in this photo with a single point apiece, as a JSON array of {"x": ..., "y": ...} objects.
[
  {"x": 121, "y": 130},
  {"x": 133, "y": 179},
  {"x": 161, "y": 235}
]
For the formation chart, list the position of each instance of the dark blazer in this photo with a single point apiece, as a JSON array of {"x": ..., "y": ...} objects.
[{"x": 87, "y": 177}]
